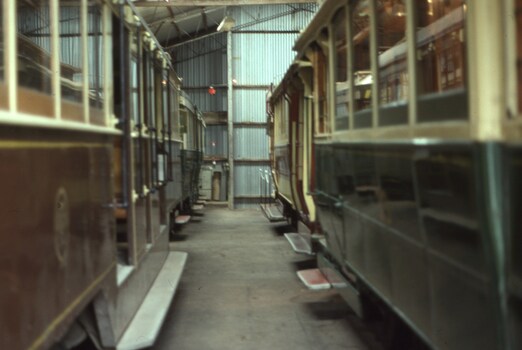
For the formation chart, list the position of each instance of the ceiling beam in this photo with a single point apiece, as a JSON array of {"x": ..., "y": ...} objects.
[
  {"x": 169, "y": 45},
  {"x": 186, "y": 16},
  {"x": 178, "y": 3}
]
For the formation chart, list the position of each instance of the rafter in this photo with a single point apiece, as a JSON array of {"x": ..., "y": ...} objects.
[
  {"x": 187, "y": 16},
  {"x": 188, "y": 38}
]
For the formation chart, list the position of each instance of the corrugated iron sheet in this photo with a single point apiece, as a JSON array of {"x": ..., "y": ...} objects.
[
  {"x": 34, "y": 23},
  {"x": 260, "y": 59},
  {"x": 250, "y": 143},
  {"x": 250, "y": 105},
  {"x": 201, "y": 64},
  {"x": 202, "y": 61},
  {"x": 209, "y": 103},
  {"x": 216, "y": 141},
  {"x": 248, "y": 180},
  {"x": 70, "y": 39}
]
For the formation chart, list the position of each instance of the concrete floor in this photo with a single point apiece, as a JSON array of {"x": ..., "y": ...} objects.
[{"x": 240, "y": 291}]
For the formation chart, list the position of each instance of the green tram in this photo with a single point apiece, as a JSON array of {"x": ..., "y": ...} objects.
[{"x": 411, "y": 115}]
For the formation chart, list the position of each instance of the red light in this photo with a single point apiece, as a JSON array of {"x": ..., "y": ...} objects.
[{"x": 211, "y": 90}]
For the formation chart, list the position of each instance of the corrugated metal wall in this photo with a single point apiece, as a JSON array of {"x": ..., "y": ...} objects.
[
  {"x": 247, "y": 183},
  {"x": 203, "y": 63},
  {"x": 262, "y": 41},
  {"x": 272, "y": 52},
  {"x": 250, "y": 143},
  {"x": 216, "y": 144},
  {"x": 250, "y": 106}
]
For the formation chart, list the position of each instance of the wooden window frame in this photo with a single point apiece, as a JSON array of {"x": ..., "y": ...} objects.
[
  {"x": 74, "y": 110},
  {"x": 333, "y": 69},
  {"x": 4, "y": 96}
]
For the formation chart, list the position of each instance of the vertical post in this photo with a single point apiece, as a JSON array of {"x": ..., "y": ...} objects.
[
  {"x": 374, "y": 59},
  {"x": 55, "y": 57},
  {"x": 411, "y": 35},
  {"x": 230, "y": 123},
  {"x": 10, "y": 29},
  {"x": 331, "y": 59},
  {"x": 85, "y": 58},
  {"x": 350, "y": 65},
  {"x": 107, "y": 65},
  {"x": 486, "y": 82}
]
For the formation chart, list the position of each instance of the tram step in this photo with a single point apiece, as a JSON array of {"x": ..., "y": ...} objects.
[
  {"x": 201, "y": 201},
  {"x": 145, "y": 326},
  {"x": 197, "y": 207},
  {"x": 313, "y": 279},
  {"x": 299, "y": 242},
  {"x": 272, "y": 212},
  {"x": 182, "y": 219}
]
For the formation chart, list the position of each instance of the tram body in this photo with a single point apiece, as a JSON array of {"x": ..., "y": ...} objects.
[
  {"x": 91, "y": 173},
  {"x": 416, "y": 128},
  {"x": 291, "y": 148}
]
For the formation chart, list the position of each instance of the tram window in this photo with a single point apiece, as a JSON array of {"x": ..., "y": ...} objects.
[
  {"x": 362, "y": 77},
  {"x": 393, "y": 69},
  {"x": 134, "y": 77},
  {"x": 3, "y": 90},
  {"x": 518, "y": 14},
  {"x": 441, "y": 47},
  {"x": 151, "y": 119},
  {"x": 34, "y": 57},
  {"x": 149, "y": 85},
  {"x": 71, "y": 58},
  {"x": 134, "y": 103},
  {"x": 163, "y": 125},
  {"x": 96, "y": 50},
  {"x": 321, "y": 91},
  {"x": 174, "y": 111},
  {"x": 165, "y": 104},
  {"x": 342, "y": 92},
  {"x": 161, "y": 101}
]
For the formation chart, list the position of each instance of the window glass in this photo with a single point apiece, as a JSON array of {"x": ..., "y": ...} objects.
[
  {"x": 3, "y": 90},
  {"x": 149, "y": 86},
  {"x": 164, "y": 134},
  {"x": 134, "y": 103},
  {"x": 174, "y": 111},
  {"x": 321, "y": 91},
  {"x": 134, "y": 78},
  {"x": 71, "y": 52},
  {"x": 441, "y": 45},
  {"x": 518, "y": 13},
  {"x": 96, "y": 49},
  {"x": 151, "y": 119},
  {"x": 34, "y": 52},
  {"x": 165, "y": 102},
  {"x": 362, "y": 77},
  {"x": 341, "y": 71},
  {"x": 393, "y": 71}
]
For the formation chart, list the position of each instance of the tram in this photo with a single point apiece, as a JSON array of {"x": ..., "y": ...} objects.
[
  {"x": 90, "y": 147},
  {"x": 413, "y": 109}
]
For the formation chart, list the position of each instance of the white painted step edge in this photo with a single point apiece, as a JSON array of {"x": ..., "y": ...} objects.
[{"x": 146, "y": 324}]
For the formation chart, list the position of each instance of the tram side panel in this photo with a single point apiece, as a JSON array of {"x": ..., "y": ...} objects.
[
  {"x": 412, "y": 232},
  {"x": 409, "y": 220},
  {"x": 57, "y": 244},
  {"x": 512, "y": 161}
]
